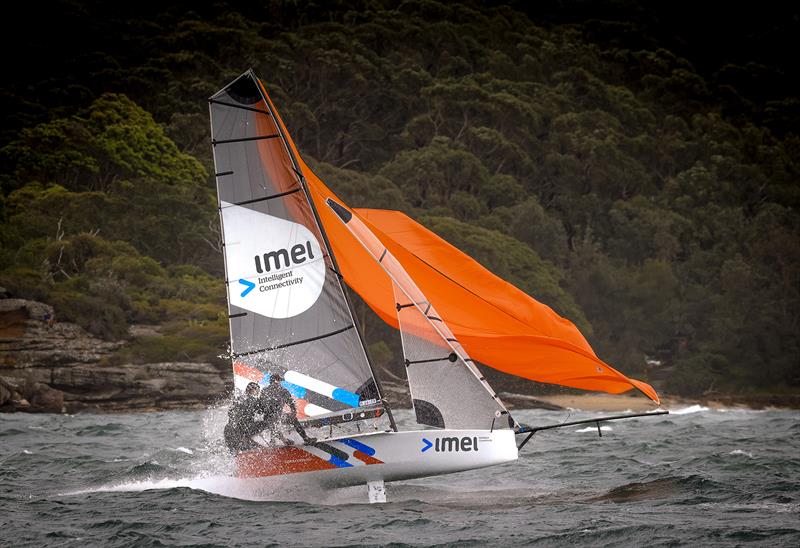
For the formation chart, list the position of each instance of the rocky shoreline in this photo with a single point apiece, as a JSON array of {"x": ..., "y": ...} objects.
[{"x": 56, "y": 367}]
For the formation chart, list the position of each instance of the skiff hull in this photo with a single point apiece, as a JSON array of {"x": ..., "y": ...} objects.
[{"x": 381, "y": 456}]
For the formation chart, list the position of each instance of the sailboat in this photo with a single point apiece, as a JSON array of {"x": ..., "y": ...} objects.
[{"x": 291, "y": 249}]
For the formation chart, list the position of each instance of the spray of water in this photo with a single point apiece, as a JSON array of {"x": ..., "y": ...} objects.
[{"x": 209, "y": 466}]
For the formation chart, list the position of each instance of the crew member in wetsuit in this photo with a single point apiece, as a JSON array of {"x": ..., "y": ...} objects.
[
  {"x": 272, "y": 402},
  {"x": 242, "y": 424}
]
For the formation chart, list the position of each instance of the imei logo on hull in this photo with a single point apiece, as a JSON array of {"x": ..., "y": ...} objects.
[
  {"x": 451, "y": 444},
  {"x": 278, "y": 264}
]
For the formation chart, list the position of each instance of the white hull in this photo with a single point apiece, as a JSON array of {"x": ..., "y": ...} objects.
[{"x": 373, "y": 457}]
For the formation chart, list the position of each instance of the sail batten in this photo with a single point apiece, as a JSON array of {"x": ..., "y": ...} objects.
[
  {"x": 242, "y": 107},
  {"x": 216, "y": 142},
  {"x": 264, "y": 198},
  {"x": 278, "y": 347}
]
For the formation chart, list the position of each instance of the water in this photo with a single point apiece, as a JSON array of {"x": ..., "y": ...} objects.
[{"x": 696, "y": 477}]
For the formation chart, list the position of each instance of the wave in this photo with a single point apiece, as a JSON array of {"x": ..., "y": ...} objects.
[
  {"x": 594, "y": 429},
  {"x": 108, "y": 429},
  {"x": 769, "y": 506},
  {"x": 691, "y": 409},
  {"x": 695, "y": 486},
  {"x": 280, "y": 490}
]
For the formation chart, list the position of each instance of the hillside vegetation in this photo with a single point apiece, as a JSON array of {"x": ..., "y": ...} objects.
[{"x": 649, "y": 197}]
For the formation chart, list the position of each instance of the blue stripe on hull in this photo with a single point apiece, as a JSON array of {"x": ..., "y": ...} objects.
[
  {"x": 366, "y": 449},
  {"x": 339, "y": 462}
]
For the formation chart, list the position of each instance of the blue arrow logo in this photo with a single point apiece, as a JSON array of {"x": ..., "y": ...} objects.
[
  {"x": 427, "y": 443},
  {"x": 249, "y": 286}
]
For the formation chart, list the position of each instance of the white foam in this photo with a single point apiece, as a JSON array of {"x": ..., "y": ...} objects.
[
  {"x": 26, "y": 452},
  {"x": 740, "y": 452},
  {"x": 691, "y": 409},
  {"x": 184, "y": 450},
  {"x": 777, "y": 507},
  {"x": 263, "y": 489},
  {"x": 594, "y": 429}
]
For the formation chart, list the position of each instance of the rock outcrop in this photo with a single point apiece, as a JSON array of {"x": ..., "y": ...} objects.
[{"x": 49, "y": 366}]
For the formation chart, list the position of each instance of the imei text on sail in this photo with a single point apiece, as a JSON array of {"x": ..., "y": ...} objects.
[
  {"x": 284, "y": 258},
  {"x": 279, "y": 285},
  {"x": 276, "y": 277}
]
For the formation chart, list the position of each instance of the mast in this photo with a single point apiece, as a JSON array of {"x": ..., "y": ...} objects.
[
  {"x": 217, "y": 175},
  {"x": 304, "y": 185}
]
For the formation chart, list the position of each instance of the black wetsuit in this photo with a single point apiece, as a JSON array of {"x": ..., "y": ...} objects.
[
  {"x": 242, "y": 424},
  {"x": 272, "y": 401}
]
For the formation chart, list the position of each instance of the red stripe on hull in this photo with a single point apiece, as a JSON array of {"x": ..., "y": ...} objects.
[
  {"x": 261, "y": 463},
  {"x": 363, "y": 457}
]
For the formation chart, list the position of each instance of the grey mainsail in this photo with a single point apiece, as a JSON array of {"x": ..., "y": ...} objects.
[{"x": 287, "y": 306}]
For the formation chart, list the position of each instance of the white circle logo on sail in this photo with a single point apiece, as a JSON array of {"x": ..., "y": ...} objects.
[{"x": 275, "y": 267}]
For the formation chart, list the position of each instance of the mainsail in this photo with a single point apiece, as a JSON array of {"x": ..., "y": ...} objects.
[
  {"x": 288, "y": 310},
  {"x": 447, "y": 390}
]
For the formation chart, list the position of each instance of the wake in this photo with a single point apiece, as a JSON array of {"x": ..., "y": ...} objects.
[{"x": 282, "y": 489}]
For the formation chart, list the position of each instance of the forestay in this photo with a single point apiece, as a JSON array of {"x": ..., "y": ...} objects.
[
  {"x": 287, "y": 307},
  {"x": 447, "y": 390}
]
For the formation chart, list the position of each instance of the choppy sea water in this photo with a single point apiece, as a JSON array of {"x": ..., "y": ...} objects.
[{"x": 696, "y": 477}]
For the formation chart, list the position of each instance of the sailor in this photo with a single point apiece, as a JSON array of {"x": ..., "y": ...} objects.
[
  {"x": 273, "y": 403},
  {"x": 242, "y": 424}
]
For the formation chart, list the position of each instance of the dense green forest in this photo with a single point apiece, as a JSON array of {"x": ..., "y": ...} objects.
[{"x": 614, "y": 164}]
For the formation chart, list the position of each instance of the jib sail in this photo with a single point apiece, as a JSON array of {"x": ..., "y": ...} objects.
[
  {"x": 287, "y": 307},
  {"x": 447, "y": 390}
]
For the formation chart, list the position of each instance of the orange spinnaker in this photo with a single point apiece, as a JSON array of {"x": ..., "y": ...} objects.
[{"x": 498, "y": 324}]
